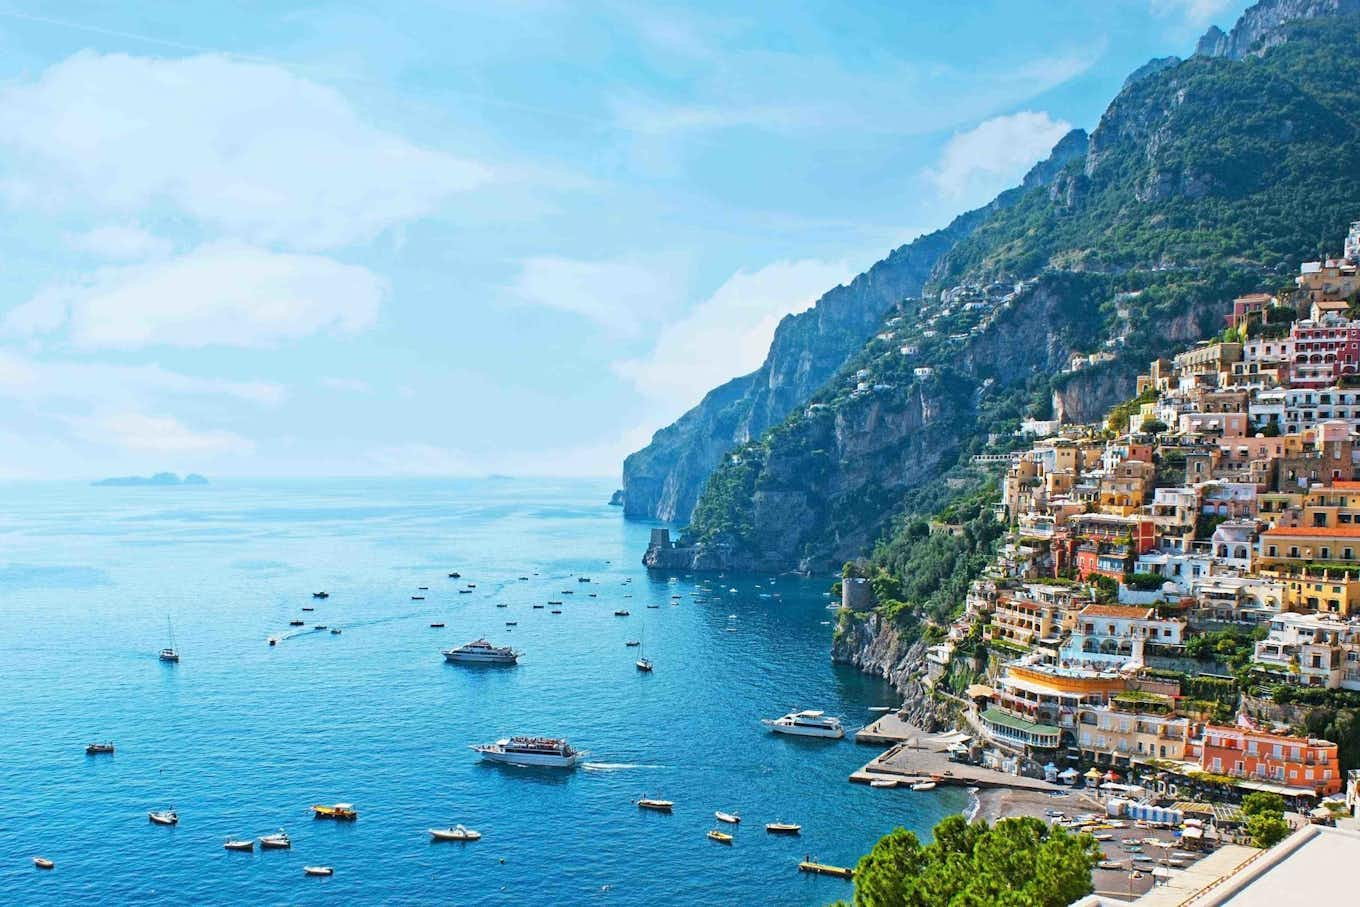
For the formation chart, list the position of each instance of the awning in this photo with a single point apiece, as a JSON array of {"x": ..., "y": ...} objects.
[
  {"x": 978, "y": 691},
  {"x": 1281, "y": 789},
  {"x": 1068, "y": 773},
  {"x": 1192, "y": 832}
]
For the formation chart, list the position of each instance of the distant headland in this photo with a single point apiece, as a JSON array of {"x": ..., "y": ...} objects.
[{"x": 160, "y": 479}]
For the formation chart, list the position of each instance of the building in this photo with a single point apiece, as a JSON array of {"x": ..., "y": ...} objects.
[
  {"x": 1302, "y": 765},
  {"x": 1324, "y": 351},
  {"x": 1294, "y": 546},
  {"x": 1311, "y": 650},
  {"x": 1108, "y": 636}
]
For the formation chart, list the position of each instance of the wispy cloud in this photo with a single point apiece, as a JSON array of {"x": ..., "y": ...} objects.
[
  {"x": 978, "y": 163},
  {"x": 120, "y": 242},
  {"x": 142, "y": 433},
  {"x": 620, "y": 295}
]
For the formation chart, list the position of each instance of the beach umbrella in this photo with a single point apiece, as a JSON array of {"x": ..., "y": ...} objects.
[
  {"x": 1094, "y": 774},
  {"x": 1111, "y": 775}
]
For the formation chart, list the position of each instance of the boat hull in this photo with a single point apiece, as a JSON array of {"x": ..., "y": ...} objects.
[
  {"x": 534, "y": 760},
  {"x": 479, "y": 658},
  {"x": 793, "y": 730}
]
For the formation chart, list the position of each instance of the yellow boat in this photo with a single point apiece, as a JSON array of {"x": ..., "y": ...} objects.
[
  {"x": 721, "y": 837},
  {"x": 343, "y": 812}
]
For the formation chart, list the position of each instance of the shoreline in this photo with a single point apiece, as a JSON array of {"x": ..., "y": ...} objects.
[{"x": 1006, "y": 802}]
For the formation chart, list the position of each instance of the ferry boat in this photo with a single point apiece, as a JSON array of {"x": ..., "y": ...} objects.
[
  {"x": 482, "y": 652},
  {"x": 342, "y": 812},
  {"x": 97, "y": 749},
  {"x": 809, "y": 723},
  {"x": 545, "y": 752}
]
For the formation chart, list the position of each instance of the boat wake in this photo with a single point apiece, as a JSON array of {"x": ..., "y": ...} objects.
[{"x": 615, "y": 766}]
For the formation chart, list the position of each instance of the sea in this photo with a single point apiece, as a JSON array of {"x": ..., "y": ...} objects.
[{"x": 241, "y": 737}]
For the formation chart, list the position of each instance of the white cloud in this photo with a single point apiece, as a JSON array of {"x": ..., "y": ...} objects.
[
  {"x": 1194, "y": 12},
  {"x": 621, "y": 296},
  {"x": 729, "y": 333},
  {"x": 120, "y": 242},
  {"x": 221, "y": 294},
  {"x": 994, "y": 154},
  {"x": 246, "y": 148},
  {"x": 152, "y": 434},
  {"x": 40, "y": 381},
  {"x": 347, "y": 385}
]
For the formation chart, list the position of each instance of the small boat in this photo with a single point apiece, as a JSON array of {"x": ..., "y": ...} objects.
[
  {"x": 551, "y": 602},
  {"x": 342, "y": 812},
  {"x": 335, "y": 631},
  {"x": 318, "y": 871},
  {"x": 653, "y": 606},
  {"x": 661, "y": 806},
  {"x": 721, "y": 837},
  {"x": 555, "y": 611},
  {"x": 622, "y": 612},
  {"x": 321, "y": 595},
  {"x": 296, "y": 623},
  {"x": 170, "y": 653},
  {"x": 538, "y": 607},
  {"x": 423, "y": 588},
  {"x": 524, "y": 579},
  {"x": 163, "y": 817},
  {"x": 98, "y": 749},
  {"x": 277, "y": 841},
  {"x": 502, "y": 605},
  {"x": 43, "y": 863},
  {"x": 644, "y": 665},
  {"x": 455, "y": 575},
  {"x": 242, "y": 844},
  {"x": 583, "y": 579},
  {"x": 309, "y": 609},
  {"x": 729, "y": 818},
  {"x": 417, "y": 598},
  {"x": 472, "y": 585},
  {"x": 632, "y": 642},
  {"x": 880, "y": 708},
  {"x": 273, "y": 640},
  {"x": 1109, "y": 864},
  {"x": 436, "y": 626},
  {"x": 826, "y": 869},
  {"x": 923, "y": 785},
  {"x": 883, "y": 782},
  {"x": 783, "y": 828},
  {"x": 457, "y": 833},
  {"x": 512, "y": 623},
  {"x": 319, "y": 627},
  {"x": 464, "y": 591}
]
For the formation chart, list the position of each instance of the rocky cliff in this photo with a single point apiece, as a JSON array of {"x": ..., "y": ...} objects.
[
  {"x": 663, "y": 480},
  {"x": 1261, "y": 26},
  {"x": 879, "y": 647}
]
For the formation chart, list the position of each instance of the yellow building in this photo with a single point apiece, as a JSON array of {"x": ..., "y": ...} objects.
[{"x": 1310, "y": 590}]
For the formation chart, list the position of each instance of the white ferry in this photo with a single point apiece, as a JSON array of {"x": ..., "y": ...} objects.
[
  {"x": 546, "y": 752},
  {"x": 806, "y": 724},
  {"x": 483, "y": 652}
]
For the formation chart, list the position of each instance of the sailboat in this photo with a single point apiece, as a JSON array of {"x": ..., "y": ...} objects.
[
  {"x": 644, "y": 663},
  {"x": 170, "y": 653}
]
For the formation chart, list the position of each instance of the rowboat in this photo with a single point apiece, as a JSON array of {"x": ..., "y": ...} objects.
[
  {"x": 457, "y": 833},
  {"x": 318, "y": 871},
  {"x": 163, "y": 817},
  {"x": 239, "y": 844},
  {"x": 662, "y": 806},
  {"x": 729, "y": 818},
  {"x": 721, "y": 837},
  {"x": 277, "y": 841},
  {"x": 783, "y": 828},
  {"x": 43, "y": 863},
  {"x": 344, "y": 812}
]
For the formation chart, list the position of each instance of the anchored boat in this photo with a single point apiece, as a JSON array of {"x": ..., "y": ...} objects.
[
  {"x": 783, "y": 828},
  {"x": 240, "y": 844},
  {"x": 808, "y": 723},
  {"x": 661, "y": 806},
  {"x": 318, "y": 871},
  {"x": 277, "y": 841},
  {"x": 721, "y": 837},
  {"x": 163, "y": 817},
  {"x": 342, "y": 812},
  {"x": 457, "y": 833},
  {"x": 729, "y": 818},
  {"x": 98, "y": 749}
]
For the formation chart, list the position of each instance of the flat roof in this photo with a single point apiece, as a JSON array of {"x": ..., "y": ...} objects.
[{"x": 1005, "y": 719}]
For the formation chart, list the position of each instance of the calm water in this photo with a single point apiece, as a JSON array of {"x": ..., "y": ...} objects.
[{"x": 241, "y": 738}]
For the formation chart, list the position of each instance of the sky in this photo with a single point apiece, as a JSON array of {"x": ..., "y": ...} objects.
[{"x": 449, "y": 238}]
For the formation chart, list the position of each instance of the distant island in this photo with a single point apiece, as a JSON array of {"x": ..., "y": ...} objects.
[{"x": 160, "y": 479}]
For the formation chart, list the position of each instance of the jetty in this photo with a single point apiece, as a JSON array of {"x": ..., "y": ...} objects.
[
  {"x": 826, "y": 869},
  {"x": 915, "y": 756}
]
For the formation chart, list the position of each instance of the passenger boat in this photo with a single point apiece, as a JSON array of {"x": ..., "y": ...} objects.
[
  {"x": 807, "y": 723},
  {"x": 729, "y": 818},
  {"x": 43, "y": 863},
  {"x": 721, "y": 837},
  {"x": 277, "y": 841},
  {"x": 343, "y": 812},
  {"x": 457, "y": 833},
  {"x": 923, "y": 785},
  {"x": 783, "y": 828},
  {"x": 98, "y": 749},
  {"x": 482, "y": 652},
  {"x": 318, "y": 871},
  {"x": 163, "y": 817},
  {"x": 321, "y": 595},
  {"x": 660, "y": 806},
  {"x": 542, "y": 752}
]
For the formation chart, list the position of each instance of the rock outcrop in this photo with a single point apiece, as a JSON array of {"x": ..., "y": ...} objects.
[
  {"x": 878, "y": 647},
  {"x": 1261, "y": 26}
]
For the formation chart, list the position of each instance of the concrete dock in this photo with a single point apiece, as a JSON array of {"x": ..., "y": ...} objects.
[{"x": 915, "y": 755}]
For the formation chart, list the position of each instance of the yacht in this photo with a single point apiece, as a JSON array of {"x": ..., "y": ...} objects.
[
  {"x": 170, "y": 653},
  {"x": 806, "y": 724},
  {"x": 482, "y": 652},
  {"x": 546, "y": 752}
]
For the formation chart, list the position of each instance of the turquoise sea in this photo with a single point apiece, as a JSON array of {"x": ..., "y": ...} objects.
[{"x": 242, "y": 738}]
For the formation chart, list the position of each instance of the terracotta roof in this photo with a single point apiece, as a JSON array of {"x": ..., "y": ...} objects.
[
  {"x": 1316, "y": 532},
  {"x": 1116, "y": 611},
  {"x": 1339, "y": 485}
]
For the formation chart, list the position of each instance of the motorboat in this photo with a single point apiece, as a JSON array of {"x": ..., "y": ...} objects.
[
  {"x": 163, "y": 817},
  {"x": 335, "y": 631},
  {"x": 632, "y": 642},
  {"x": 457, "y": 833},
  {"x": 622, "y": 612},
  {"x": 277, "y": 841},
  {"x": 538, "y": 607},
  {"x": 464, "y": 591},
  {"x": 43, "y": 863},
  {"x": 555, "y": 611},
  {"x": 721, "y": 837},
  {"x": 783, "y": 828},
  {"x": 99, "y": 749},
  {"x": 512, "y": 623},
  {"x": 319, "y": 627},
  {"x": 436, "y": 626},
  {"x": 808, "y": 723},
  {"x": 318, "y": 871},
  {"x": 296, "y": 623},
  {"x": 455, "y": 575},
  {"x": 423, "y": 588},
  {"x": 241, "y": 844},
  {"x": 502, "y": 605},
  {"x": 541, "y": 752},
  {"x": 660, "y": 806},
  {"x": 321, "y": 595},
  {"x": 308, "y": 609},
  {"x": 342, "y": 812},
  {"x": 482, "y": 652},
  {"x": 923, "y": 785},
  {"x": 883, "y": 782},
  {"x": 417, "y": 598},
  {"x": 729, "y": 818},
  {"x": 653, "y": 606}
]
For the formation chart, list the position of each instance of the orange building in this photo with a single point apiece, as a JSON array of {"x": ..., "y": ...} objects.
[{"x": 1305, "y": 764}]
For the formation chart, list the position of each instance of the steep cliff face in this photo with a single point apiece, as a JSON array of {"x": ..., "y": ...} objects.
[
  {"x": 664, "y": 479},
  {"x": 1261, "y": 26},
  {"x": 879, "y": 647}
]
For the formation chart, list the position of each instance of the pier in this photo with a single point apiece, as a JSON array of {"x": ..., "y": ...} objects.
[{"x": 914, "y": 755}]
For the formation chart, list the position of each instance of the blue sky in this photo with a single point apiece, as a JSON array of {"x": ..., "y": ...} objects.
[{"x": 455, "y": 238}]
